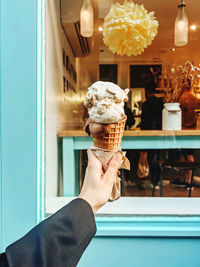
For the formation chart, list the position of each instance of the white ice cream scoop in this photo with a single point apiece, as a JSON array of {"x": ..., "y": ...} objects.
[{"x": 105, "y": 102}]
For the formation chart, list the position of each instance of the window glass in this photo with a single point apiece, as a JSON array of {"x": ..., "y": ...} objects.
[
  {"x": 156, "y": 172},
  {"x": 162, "y": 131}
]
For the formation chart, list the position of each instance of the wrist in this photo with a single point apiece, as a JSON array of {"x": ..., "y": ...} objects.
[{"x": 88, "y": 200}]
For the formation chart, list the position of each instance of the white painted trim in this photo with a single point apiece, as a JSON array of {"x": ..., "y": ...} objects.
[{"x": 137, "y": 206}]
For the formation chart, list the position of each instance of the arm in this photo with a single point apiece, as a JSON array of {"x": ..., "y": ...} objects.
[
  {"x": 3, "y": 260},
  {"x": 58, "y": 241},
  {"x": 61, "y": 239}
]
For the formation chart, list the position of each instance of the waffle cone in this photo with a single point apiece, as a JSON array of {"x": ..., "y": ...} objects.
[{"x": 112, "y": 139}]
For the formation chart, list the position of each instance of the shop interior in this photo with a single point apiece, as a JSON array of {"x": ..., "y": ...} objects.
[{"x": 74, "y": 62}]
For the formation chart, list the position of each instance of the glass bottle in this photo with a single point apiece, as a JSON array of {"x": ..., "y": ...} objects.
[
  {"x": 86, "y": 19},
  {"x": 181, "y": 26}
]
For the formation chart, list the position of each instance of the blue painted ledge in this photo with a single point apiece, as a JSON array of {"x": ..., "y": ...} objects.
[{"x": 157, "y": 226}]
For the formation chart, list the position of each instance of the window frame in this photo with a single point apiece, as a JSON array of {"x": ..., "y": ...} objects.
[{"x": 120, "y": 209}]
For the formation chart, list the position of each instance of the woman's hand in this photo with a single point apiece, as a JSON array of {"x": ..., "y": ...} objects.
[{"x": 97, "y": 186}]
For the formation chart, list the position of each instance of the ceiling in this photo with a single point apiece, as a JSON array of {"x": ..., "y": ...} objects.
[{"x": 161, "y": 47}]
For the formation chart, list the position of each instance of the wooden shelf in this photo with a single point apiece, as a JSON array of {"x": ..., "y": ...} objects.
[
  {"x": 76, "y": 133},
  {"x": 162, "y": 133}
]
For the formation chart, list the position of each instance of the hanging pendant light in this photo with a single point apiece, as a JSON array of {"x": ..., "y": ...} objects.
[
  {"x": 181, "y": 26},
  {"x": 86, "y": 19}
]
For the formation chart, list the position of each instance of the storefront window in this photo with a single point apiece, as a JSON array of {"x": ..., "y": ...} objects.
[{"x": 162, "y": 135}]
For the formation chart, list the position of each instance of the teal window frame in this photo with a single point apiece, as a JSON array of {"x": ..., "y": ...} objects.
[{"x": 133, "y": 223}]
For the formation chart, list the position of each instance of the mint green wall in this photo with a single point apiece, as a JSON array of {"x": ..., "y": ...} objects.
[
  {"x": 142, "y": 252},
  {"x": 144, "y": 241},
  {"x": 18, "y": 118}
]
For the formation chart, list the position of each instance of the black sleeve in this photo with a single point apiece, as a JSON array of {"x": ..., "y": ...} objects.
[
  {"x": 58, "y": 241},
  {"x": 3, "y": 260}
]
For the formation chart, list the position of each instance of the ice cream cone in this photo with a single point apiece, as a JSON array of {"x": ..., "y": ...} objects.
[{"x": 111, "y": 139}]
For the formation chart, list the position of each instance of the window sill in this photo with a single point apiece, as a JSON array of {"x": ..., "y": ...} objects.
[
  {"x": 144, "y": 217},
  {"x": 146, "y": 206}
]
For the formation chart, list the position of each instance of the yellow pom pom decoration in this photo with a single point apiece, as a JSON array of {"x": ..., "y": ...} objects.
[{"x": 129, "y": 28}]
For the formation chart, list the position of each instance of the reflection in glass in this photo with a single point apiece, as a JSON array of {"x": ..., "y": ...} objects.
[{"x": 158, "y": 172}]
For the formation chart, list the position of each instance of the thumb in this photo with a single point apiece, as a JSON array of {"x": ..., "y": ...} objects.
[{"x": 113, "y": 166}]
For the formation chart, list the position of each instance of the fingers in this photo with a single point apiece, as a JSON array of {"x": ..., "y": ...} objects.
[
  {"x": 113, "y": 166},
  {"x": 93, "y": 160}
]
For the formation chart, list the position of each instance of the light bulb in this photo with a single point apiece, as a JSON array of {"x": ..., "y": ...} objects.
[
  {"x": 193, "y": 27},
  {"x": 86, "y": 19},
  {"x": 181, "y": 26},
  {"x": 100, "y": 28}
]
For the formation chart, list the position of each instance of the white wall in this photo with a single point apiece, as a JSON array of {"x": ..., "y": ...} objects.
[{"x": 63, "y": 111}]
